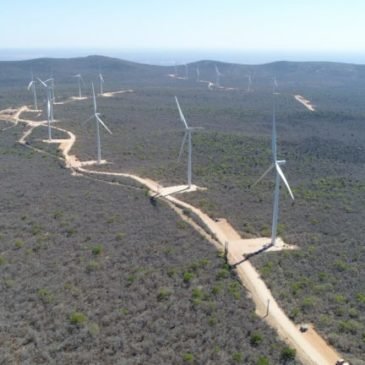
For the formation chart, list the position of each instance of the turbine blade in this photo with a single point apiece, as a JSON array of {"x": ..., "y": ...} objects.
[
  {"x": 91, "y": 117},
  {"x": 181, "y": 113},
  {"x": 281, "y": 174},
  {"x": 273, "y": 140},
  {"x": 103, "y": 124},
  {"x": 30, "y": 85},
  {"x": 42, "y": 82},
  {"x": 49, "y": 109},
  {"x": 263, "y": 175},
  {"x": 101, "y": 77},
  {"x": 182, "y": 146},
  {"x": 94, "y": 97}
]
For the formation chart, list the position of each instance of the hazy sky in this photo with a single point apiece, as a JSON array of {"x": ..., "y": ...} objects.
[{"x": 317, "y": 25}]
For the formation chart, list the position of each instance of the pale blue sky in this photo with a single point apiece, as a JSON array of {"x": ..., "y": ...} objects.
[{"x": 293, "y": 25}]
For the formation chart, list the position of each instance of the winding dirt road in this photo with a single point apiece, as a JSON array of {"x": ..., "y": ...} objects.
[{"x": 311, "y": 348}]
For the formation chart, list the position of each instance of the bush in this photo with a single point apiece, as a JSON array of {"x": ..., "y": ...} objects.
[
  {"x": 198, "y": 296},
  {"x": 235, "y": 289},
  {"x": 222, "y": 274},
  {"x": 255, "y": 339},
  {"x": 263, "y": 360},
  {"x": 188, "y": 357},
  {"x": 287, "y": 354},
  {"x": 19, "y": 244},
  {"x": 97, "y": 250},
  {"x": 119, "y": 236},
  {"x": 163, "y": 294},
  {"x": 45, "y": 295},
  {"x": 2, "y": 260},
  {"x": 237, "y": 357},
  {"x": 77, "y": 318},
  {"x": 187, "y": 277},
  {"x": 92, "y": 265}
]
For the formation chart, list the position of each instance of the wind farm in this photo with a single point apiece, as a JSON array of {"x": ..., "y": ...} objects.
[{"x": 194, "y": 195}]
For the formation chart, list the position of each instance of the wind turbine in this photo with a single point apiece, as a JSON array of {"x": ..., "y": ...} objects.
[
  {"x": 186, "y": 71},
  {"x": 197, "y": 74},
  {"x": 32, "y": 86},
  {"x": 98, "y": 121},
  {"x": 49, "y": 107},
  {"x": 52, "y": 97},
  {"x": 249, "y": 77},
  {"x": 79, "y": 80},
  {"x": 278, "y": 178},
  {"x": 187, "y": 136},
  {"x": 101, "y": 79},
  {"x": 274, "y": 85},
  {"x": 218, "y": 75}
]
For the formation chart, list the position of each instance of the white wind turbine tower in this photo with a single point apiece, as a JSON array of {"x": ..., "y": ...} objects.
[
  {"x": 187, "y": 136},
  {"x": 249, "y": 77},
  {"x": 79, "y": 80},
  {"x": 49, "y": 108},
  {"x": 218, "y": 75},
  {"x": 32, "y": 85},
  {"x": 98, "y": 121},
  {"x": 274, "y": 85},
  {"x": 186, "y": 71},
  {"x": 52, "y": 97},
  {"x": 279, "y": 177},
  {"x": 101, "y": 80},
  {"x": 198, "y": 74}
]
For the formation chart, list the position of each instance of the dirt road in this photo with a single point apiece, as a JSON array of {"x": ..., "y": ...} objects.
[
  {"x": 305, "y": 102},
  {"x": 311, "y": 348}
]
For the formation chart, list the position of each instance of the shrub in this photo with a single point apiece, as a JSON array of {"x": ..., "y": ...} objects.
[
  {"x": 93, "y": 329},
  {"x": 2, "y": 260},
  {"x": 171, "y": 272},
  {"x": 163, "y": 294},
  {"x": 77, "y": 318},
  {"x": 123, "y": 311},
  {"x": 119, "y": 236},
  {"x": 234, "y": 289},
  {"x": 188, "y": 357},
  {"x": 308, "y": 303},
  {"x": 187, "y": 276},
  {"x": 237, "y": 357},
  {"x": 197, "y": 293},
  {"x": 19, "y": 243},
  {"x": 131, "y": 279},
  {"x": 212, "y": 321},
  {"x": 350, "y": 326},
  {"x": 222, "y": 274},
  {"x": 255, "y": 339},
  {"x": 263, "y": 360},
  {"x": 92, "y": 265},
  {"x": 45, "y": 295},
  {"x": 287, "y": 354},
  {"x": 216, "y": 289},
  {"x": 96, "y": 250}
]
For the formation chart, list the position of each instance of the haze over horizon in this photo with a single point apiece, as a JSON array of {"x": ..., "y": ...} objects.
[{"x": 163, "y": 33}]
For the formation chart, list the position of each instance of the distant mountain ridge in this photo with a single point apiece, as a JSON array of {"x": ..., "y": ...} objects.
[{"x": 14, "y": 73}]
